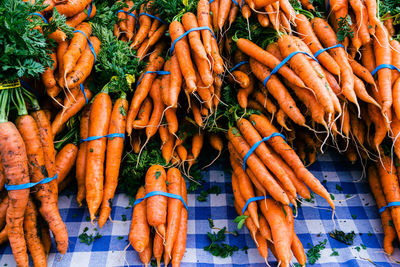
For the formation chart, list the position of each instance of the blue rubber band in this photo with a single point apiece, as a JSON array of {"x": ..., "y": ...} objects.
[
  {"x": 328, "y": 6},
  {"x": 189, "y": 31},
  {"x": 211, "y": 1},
  {"x": 90, "y": 9},
  {"x": 28, "y": 87},
  {"x": 324, "y": 49},
  {"x": 236, "y": 3},
  {"x": 161, "y": 193},
  {"x": 241, "y": 4},
  {"x": 29, "y": 185},
  {"x": 91, "y": 138},
  {"x": 84, "y": 94},
  {"x": 130, "y": 14},
  {"x": 90, "y": 44},
  {"x": 152, "y": 16},
  {"x": 254, "y": 147},
  {"x": 283, "y": 62},
  {"x": 384, "y": 66},
  {"x": 40, "y": 15},
  {"x": 253, "y": 199},
  {"x": 238, "y": 65},
  {"x": 391, "y": 204},
  {"x": 159, "y": 72}
]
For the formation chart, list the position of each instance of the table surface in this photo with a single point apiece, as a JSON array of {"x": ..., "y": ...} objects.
[{"x": 355, "y": 211}]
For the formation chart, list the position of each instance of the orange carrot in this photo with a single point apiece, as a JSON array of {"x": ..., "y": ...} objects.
[
  {"x": 139, "y": 234},
  {"x": 98, "y": 126},
  {"x": 180, "y": 242},
  {"x": 156, "y": 205},
  {"x": 81, "y": 157},
  {"x": 143, "y": 31},
  {"x": 65, "y": 160}
]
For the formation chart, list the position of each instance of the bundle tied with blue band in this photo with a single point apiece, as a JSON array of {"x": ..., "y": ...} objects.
[
  {"x": 254, "y": 199},
  {"x": 130, "y": 14},
  {"x": 385, "y": 66},
  {"x": 391, "y": 204},
  {"x": 29, "y": 185},
  {"x": 159, "y": 72},
  {"x": 89, "y": 43},
  {"x": 256, "y": 144},
  {"x": 286, "y": 60},
  {"x": 161, "y": 193},
  {"x": 189, "y": 31}
]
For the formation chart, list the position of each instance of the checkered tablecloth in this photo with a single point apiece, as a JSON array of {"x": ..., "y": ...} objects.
[{"x": 355, "y": 211}]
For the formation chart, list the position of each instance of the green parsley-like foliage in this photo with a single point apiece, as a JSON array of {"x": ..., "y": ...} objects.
[
  {"x": 218, "y": 249},
  {"x": 345, "y": 29},
  {"x": 341, "y": 236},
  {"x": 390, "y": 7},
  {"x": 86, "y": 238},
  {"x": 132, "y": 177},
  {"x": 240, "y": 220},
  {"x": 115, "y": 60},
  {"x": 24, "y": 51},
  {"x": 169, "y": 10},
  {"x": 314, "y": 253}
]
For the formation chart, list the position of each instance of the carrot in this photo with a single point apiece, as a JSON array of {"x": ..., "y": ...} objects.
[
  {"x": 372, "y": 16},
  {"x": 386, "y": 217},
  {"x": 81, "y": 16},
  {"x": 81, "y": 157},
  {"x": 75, "y": 48},
  {"x": 278, "y": 91},
  {"x": 33, "y": 241},
  {"x": 172, "y": 120},
  {"x": 84, "y": 65},
  {"x": 2, "y": 177},
  {"x": 203, "y": 73},
  {"x": 142, "y": 91},
  {"x": 390, "y": 186},
  {"x": 144, "y": 114},
  {"x": 98, "y": 126},
  {"x": 265, "y": 128},
  {"x": 281, "y": 234},
  {"x": 182, "y": 152},
  {"x": 273, "y": 17},
  {"x": 256, "y": 52},
  {"x": 264, "y": 229},
  {"x": 139, "y": 234},
  {"x": 45, "y": 235},
  {"x": 214, "y": 7},
  {"x": 189, "y": 21},
  {"x": 158, "y": 34},
  {"x": 143, "y": 31},
  {"x": 263, "y": 19},
  {"x": 263, "y": 3},
  {"x": 49, "y": 152},
  {"x": 196, "y": 112},
  {"x": 368, "y": 57},
  {"x": 180, "y": 242},
  {"x": 265, "y": 102},
  {"x": 328, "y": 38},
  {"x": 383, "y": 55},
  {"x": 115, "y": 148},
  {"x": 379, "y": 123},
  {"x": 65, "y": 160},
  {"x": 395, "y": 58},
  {"x": 3, "y": 211},
  {"x": 332, "y": 82},
  {"x": 204, "y": 92},
  {"x": 396, "y": 97},
  {"x": 175, "y": 82},
  {"x": 37, "y": 169},
  {"x": 204, "y": 20},
  {"x": 362, "y": 93},
  {"x": 158, "y": 108},
  {"x": 361, "y": 71},
  {"x": 241, "y": 78},
  {"x": 218, "y": 67},
  {"x": 252, "y": 136},
  {"x": 288, "y": 10},
  {"x": 308, "y": 36},
  {"x": 145, "y": 255},
  {"x": 246, "y": 190},
  {"x": 15, "y": 163},
  {"x": 156, "y": 205},
  {"x": 298, "y": 250},
  {"x": 183, "y": 54},
  {"x": 257, "y": 167},
  {"x": 130, "y": 22},
  {"x": 64, "y": 115},
  {"x": 174, "y": 180},
  {"x": 168, "y": 148},
  {"x": 47, "y": 76},
  {"x": 304, "y": 69},
  {"x": 362, "y": 20},
  {"x": 158, "y": 248},
  {"x": 72, "y": 7},
  {"x": 223, "y": 12}
]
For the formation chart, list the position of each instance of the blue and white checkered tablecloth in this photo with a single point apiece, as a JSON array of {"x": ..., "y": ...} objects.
[{"x": 358, "y": 213}]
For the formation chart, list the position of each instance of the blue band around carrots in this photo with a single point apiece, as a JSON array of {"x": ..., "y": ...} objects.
[
  {"x": 91, "y": 138},
  {"x": 283, "y": 62},
  {"x": 161, "y": 193},
  {"x": 130, "y": 14},
  {"x": 90, "y": 9},
  {"x": 29, "y": 185},
  {"x": 385, "y": 66},
  {"x": 391, "y": 204},
  {"x": 40, "y": 15},
  {"x": 189, "y": 31},
  {"x": 89, "y": 43},
  {"x": 84, "y": 94},
  {"x": 159, "y": 72},
  {"x": 152, "y": 16},
  {"x": 324, "y": 49},
  {"x": 238, "y": 65},
  {"x": 254, "y": 147},
  {"x": 254, "y": 199}
]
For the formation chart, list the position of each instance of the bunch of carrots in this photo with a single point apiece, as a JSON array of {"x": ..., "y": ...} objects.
[{"x": 166, "y": 217}]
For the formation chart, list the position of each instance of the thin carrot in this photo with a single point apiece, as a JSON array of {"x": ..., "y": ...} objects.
[
  {"x": 81, "y": 16},
  {"x": 144, "y": 114},
  {"x": 368, "y": 57},
  {"x": 81, "y": 157},
  {"x": 65, "y": 160},
  {"x": 158, "y": 248},
  {"x": 175, "y": 81},
  {"x": 98, "y": 126},
  {"x": 139, "y": 234},
  {"x": 143, "y": 31}
]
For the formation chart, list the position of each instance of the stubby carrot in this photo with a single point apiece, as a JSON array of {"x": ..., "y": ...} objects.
[
  {"x": 65, "y": 160},
  {"x": 139, "y": 234}
]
